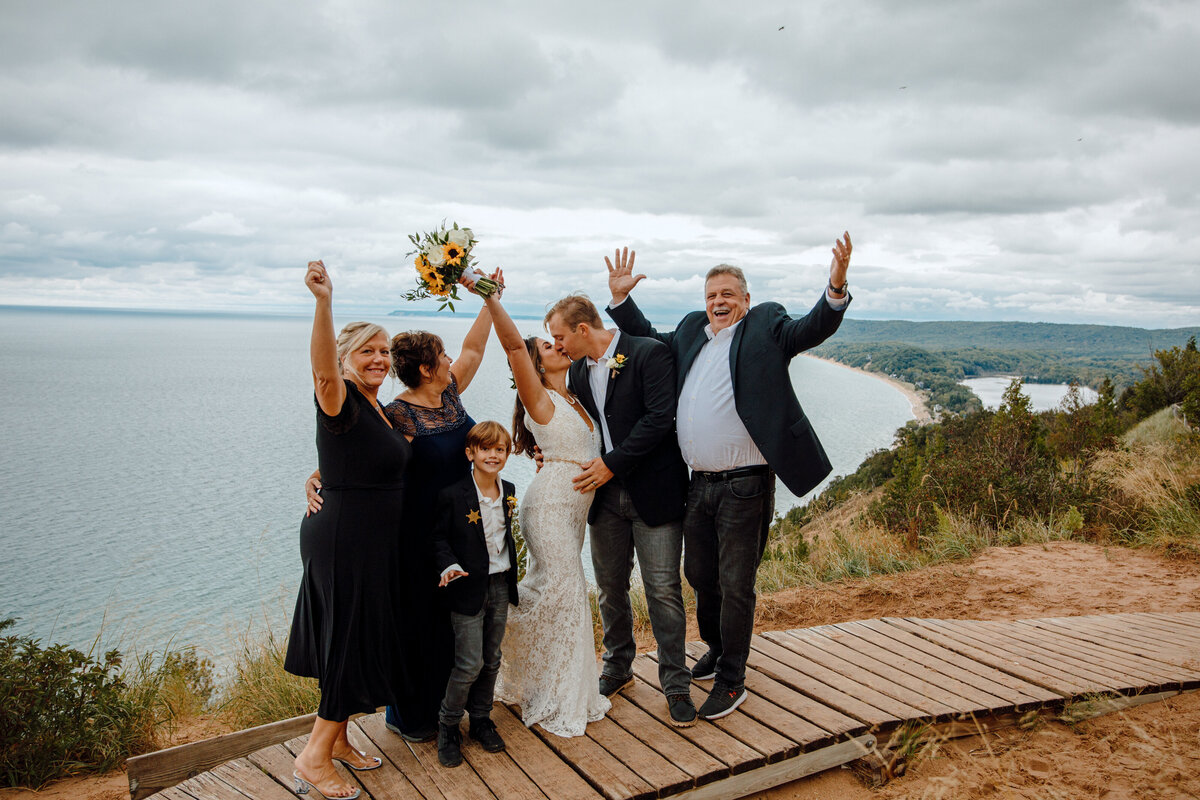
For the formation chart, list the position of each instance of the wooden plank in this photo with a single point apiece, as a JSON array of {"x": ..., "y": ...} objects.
[
  {"x": 387, "y": 781},
  {"x": 279, "y": 763},
  {"x": 252, "y": 781},
  {"x": 207, "y": 786},
  {"x": 294, "y": 746},
  {"x": 826, "y": 686},
  {"x": 668, "y": 742},
  {"x": 1003, "y": 660},
  {"x": 1180, "y": 625},
  {"x": 783, "y": 772},
  {"x": 151, "y": 772},
  {"x": 600, "y": 768},
  {"x": 735, "y": 755},
  {"x": 917, "y": 675},
  {"x": 778, "y": 707},
  {"x": 1114, "y": 638},
  {"x": 1152, "y": 673},
  {"x": 1191, "y": 618},
  {"x": 742, "y": 727},
  {"x": 174, "y": 793},
  {"x": 1020, "y": 693},
  {"x": 647, "y": 764},
  {"x": 963, "y": 682},
  {"x": 553, "y": 776},
  {"x": 859, "y": 666},
  {"x": 396, "y": 751},
  {"x": 455, "y": 783},
  {"x": 501, "y": 775},
  {"x": 1169, "y": 633},
  {"x": 1096, "y": 677}
]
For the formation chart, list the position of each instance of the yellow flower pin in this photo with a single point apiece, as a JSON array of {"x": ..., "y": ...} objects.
[
  {"x": 473, "y": 517},
  {"x": 512, "y": 502}
]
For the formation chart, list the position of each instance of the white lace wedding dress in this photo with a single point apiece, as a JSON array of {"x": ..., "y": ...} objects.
[{"x": 549, "y": 659}]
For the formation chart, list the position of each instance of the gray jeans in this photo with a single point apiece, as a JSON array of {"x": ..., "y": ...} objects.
[
  {"x": 617, "y": 534},
  {"x": 477, "y": 640}
]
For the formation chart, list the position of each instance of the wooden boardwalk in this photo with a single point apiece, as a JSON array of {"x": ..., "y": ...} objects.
[{"x": 818, "y": 698}]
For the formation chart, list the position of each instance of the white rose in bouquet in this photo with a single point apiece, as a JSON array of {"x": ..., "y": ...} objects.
[
  {"x": 460, "y": 236},
  {"x": 435, "y": 256}
]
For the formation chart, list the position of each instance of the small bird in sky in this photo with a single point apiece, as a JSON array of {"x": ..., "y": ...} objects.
[
  {"x": 903, "y": 87},
  {"x": 780, "y": 27}
]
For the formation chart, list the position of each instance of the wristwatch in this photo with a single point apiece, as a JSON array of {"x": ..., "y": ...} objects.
[{"x": 838, "y": 289}]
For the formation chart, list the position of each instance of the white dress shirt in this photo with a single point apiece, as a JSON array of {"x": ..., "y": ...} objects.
[
  {"x": 598, "y": 380},
  {"x": 491, "y": 513},
  {"x": 711, "y": 434},
  {"x": 712, "y": 437}
]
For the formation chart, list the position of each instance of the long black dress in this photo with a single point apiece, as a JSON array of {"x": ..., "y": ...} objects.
[
  {"x": 438, "y": 445},
  {"x": 346, "y": 630}
]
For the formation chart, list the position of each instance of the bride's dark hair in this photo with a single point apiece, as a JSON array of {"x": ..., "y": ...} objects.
[{"x": 523, "y": 441}]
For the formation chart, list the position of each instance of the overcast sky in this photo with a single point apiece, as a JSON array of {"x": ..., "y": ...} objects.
[{"x": 992, "y": 160}]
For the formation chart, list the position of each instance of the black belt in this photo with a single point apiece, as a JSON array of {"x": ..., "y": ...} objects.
[{"x": 730, "y": 474}]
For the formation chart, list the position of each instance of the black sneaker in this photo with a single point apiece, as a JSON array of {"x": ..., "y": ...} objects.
[
  {"x": 610, "y": 685},
  {"x": 449, "y": 745},
  {"x": 722, "y": 700},
  {"x": 683, "y": 710},
  {"x": 484, "y": 731},
  {"x": 706, "y": 668},
  {"x": 426, "y": 734}
]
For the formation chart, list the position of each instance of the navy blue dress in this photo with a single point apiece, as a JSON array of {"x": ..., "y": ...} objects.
[
  {"x": 426, "y": 638},
  {"x": 345, "y": 630}
]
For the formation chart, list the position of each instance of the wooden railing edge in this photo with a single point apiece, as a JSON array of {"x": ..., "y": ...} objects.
[{"x": 153, "y": 772}]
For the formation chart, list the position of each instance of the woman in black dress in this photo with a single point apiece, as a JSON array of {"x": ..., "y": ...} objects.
[
  {"x": 345, "y": 632},
  {"x": 431, "y": 414}
]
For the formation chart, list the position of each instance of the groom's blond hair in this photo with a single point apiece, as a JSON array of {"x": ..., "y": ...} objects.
[{"x": 574, "y": 309}]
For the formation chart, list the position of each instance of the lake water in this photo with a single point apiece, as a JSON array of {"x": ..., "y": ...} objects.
[
  {"x": 154, "y": 465},
  {"x": 1042, "y": 396}
]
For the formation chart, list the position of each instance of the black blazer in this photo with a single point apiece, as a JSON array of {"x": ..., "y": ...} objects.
[
  {"x": 639, "y": 407},
  {"x": 456, "y": 539},
  {"x": 763, "y": 346}
]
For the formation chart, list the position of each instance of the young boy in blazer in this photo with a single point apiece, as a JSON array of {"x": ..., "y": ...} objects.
[{"x": 474, "y": 548}]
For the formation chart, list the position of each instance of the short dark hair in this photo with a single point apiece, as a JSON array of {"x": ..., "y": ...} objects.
[
  {"x": 410, "y": 351},
  {"x": 488, "y": 433}
]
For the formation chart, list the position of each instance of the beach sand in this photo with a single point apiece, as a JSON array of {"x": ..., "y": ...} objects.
[{"x": 920, "y": 409}]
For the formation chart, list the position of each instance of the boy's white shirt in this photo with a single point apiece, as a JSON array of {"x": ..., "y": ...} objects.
[{"x": 491, "y": 514}]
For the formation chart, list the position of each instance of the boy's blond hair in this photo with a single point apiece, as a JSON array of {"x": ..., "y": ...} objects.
[{"x": 488, "y": 433}]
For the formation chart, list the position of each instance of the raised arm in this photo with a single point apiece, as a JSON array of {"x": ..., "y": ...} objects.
[
  {"x": 327, "y": 378},
  {"x": 533, "y": 394},
  {"x": 471, "y": 354}
]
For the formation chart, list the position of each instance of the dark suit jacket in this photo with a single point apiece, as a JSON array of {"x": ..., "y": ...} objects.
[
  {"x": 763, "y": 346},
  {"x": 458, "y": 540},
  {"x": 639, "y": 407}
]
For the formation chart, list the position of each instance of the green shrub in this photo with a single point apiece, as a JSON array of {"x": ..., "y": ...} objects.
[
  {"x": 64, "y": 712},
  {"x": 261, "y": 690}
]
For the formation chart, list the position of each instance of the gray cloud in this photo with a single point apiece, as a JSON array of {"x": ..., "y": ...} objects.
[{"x": 1036, "y": 163}]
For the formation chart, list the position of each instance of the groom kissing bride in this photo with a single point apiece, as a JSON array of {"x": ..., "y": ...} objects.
[{"x": 739, "y": 424}]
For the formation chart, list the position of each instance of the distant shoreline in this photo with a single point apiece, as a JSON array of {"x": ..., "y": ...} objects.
[{"x": 919, "y": 409}]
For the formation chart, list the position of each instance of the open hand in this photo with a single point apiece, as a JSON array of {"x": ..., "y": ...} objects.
[
  {"x": 317, "y": 280},
  {"x": 595, "y": 474},
  {"x": 621, "y": 279},
  {"x": 841, "y": 260}
]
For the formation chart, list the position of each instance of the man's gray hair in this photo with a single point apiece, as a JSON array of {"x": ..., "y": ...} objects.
[{"x": 727, "y": 269}]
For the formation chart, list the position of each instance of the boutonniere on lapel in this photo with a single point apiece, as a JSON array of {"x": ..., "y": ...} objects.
[
  {"x": 615, "y": 365},
  {"x": 512, "y": 503},
  {"x": 473, "y": 516}
]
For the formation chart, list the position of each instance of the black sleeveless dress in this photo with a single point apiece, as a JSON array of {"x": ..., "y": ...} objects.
[{"x": 346, "y": 632}]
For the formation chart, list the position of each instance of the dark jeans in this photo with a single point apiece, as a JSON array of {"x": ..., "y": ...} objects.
[
  {"x": 476, "y": 656},
  {"x": 725, "y": 533},
  {"x": 617, "y": 534}
]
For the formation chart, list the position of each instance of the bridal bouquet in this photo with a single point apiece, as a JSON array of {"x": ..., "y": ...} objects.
[{"x": 442, "y": 256}]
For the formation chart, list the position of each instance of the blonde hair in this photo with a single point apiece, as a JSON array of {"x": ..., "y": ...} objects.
[
  {"x": 488, "y": 434},
  {"x": 352, "y": 337},
  {"x": 574, "y": 309}
]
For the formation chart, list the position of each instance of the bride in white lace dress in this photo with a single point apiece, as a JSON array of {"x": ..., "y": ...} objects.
[{"x": 548, "y": 666}]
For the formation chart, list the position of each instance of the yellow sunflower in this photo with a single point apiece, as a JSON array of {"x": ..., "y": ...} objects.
[{"x": 453, "y": 254}]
